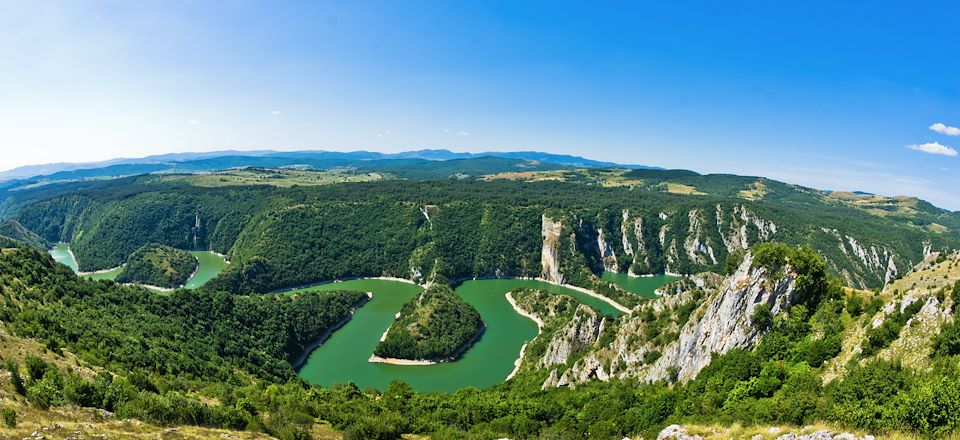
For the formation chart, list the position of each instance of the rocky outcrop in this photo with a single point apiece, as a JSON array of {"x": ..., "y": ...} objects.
[
  {"x": 580, "y": 332},
  {"x": 677, "y": 432},
  {"x": 735, "y": 227},
  {"x": 550, "y": 252},
  {"x": 607, "y": 257},
  {"x": 567, "y": 328},
  {"x": 718, "y": 317},
  {"x": 695, "y": 244},
  {"x": 628, "y": 354},
  {"x": 726, "y": 322}
]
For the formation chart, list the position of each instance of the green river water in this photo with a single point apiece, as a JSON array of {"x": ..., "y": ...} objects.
[
  {"x": 643, "y": 286},
  {"x": 344, "y": 356},
  {"x": 210, "y": 265}
]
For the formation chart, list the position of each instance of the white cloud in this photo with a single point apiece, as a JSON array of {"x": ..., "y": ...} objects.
[
  {"x": 193, "y": 122},
  {"x": 942, "y": 128},
  {"x": 275, "y": 112},
  {"x": 463, "y": 133},
  {"x": 933, "y": 148}
]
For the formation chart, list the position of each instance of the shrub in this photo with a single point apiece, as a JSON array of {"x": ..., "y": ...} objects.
[
  {"x": 44, "y": 393},
  {"x": 933, "y": 407},
  {"x": 955, "y": 296},
  {"x": 855, "y": 305},
  {"x": 9, "y": 417},
  {"x": 762, "y": 318},
  {"x": 651, "y": 357},
  {"x": 82, "y": 393},
  {"x": 15, "y": 378},
  {"x": 947, "y": 343},
  {"x": 36, "y": 367}
]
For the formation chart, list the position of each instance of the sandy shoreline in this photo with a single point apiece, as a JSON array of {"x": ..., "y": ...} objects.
[
  {"x": 394, "y": 361},
  {"x": 583, "y": 290},
  {"x": 384, "y": 335},
  {"x": 195, "y": 271},
  {"x": 326, "y": 334},
  {"x": 523, "y": 348},
  {"x": 225, "y": 260},
  {"x": 522, "y": 312},
  {"x": 586, "y": 291},
  {"x": 324, "y": 282},
  {"x": 84, "y": 274},
  {"x": 456, "y": 355},
  {"x": 151, "y": 287}
]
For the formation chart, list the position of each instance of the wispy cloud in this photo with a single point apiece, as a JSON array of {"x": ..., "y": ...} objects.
[
  {"x": 193, "y": 122},
  {"x": 275, "y": 112},
  {"x": 942, "y": 128},
  {"x": 933, "y": 148}
]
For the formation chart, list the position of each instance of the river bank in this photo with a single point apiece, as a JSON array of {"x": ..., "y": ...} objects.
[
  {"x": 97, "y": 272},
  {"x": 456, "y": 354},
  {"x": 582, "y": 290},
  {"x": 305, "y": 354},
  {"x": 523, "y": 349},
  {"x": 340, "y": 280}
]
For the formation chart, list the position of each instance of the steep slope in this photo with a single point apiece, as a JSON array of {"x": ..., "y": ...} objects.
[
  {"x": 25, "y": 417},
  {"x": 216, "y": 359},
  {"x": 675, "y": 337},
  {"x": 902, "y": 321},
  {"x": 12, "y": 229},
  {"x": 440, "y": 230},
  {"x": 567, "y": 329}
]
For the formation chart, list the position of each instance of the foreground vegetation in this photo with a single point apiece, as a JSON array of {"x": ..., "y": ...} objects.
[{"x": 220, "y": 360}]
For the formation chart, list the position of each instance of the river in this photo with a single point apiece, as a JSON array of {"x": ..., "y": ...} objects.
[
  {"x": 344, "y": 356},
  {"x": 210, "y": 265}
]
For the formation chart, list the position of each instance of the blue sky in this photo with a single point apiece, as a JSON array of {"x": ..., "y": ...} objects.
[{"x": 826, "y": 94}]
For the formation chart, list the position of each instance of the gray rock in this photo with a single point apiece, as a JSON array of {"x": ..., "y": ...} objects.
[
  {"x": 726, "y": 322},
  {"x": 676, "y": 432}
]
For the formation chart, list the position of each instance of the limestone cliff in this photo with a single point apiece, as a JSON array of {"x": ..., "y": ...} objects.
[
  {"x": 550, "y": 252},
  {"x": 674, "y": 337},
  {"x": 579, "y": 332},
  {"x": 567, "y": 327},
  {"x": 688, "y": 241},
  {"x": 726, "y": 321}
]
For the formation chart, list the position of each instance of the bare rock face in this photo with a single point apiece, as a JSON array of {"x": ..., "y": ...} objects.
[
  {"x": 607, "y": 256},
  {"x": 722, "y": 321},
  {"x": 676, "y": 432},
  {"x": 580, "y": 332},
  {"x": 550, "y": 252},
  {"x": 726, "y": 322}
]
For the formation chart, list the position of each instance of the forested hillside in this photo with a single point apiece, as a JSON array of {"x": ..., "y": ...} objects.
[
  {"x": 447, "y": 230},
  {"x": 169, "y": 349},
  {"x": 158, "y": 265},
  {"x": 12, "y": 229},
  {"x": 437, "y": 325}
]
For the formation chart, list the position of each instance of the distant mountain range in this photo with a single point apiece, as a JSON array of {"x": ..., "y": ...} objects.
[{"x": 217, "y": 160}]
